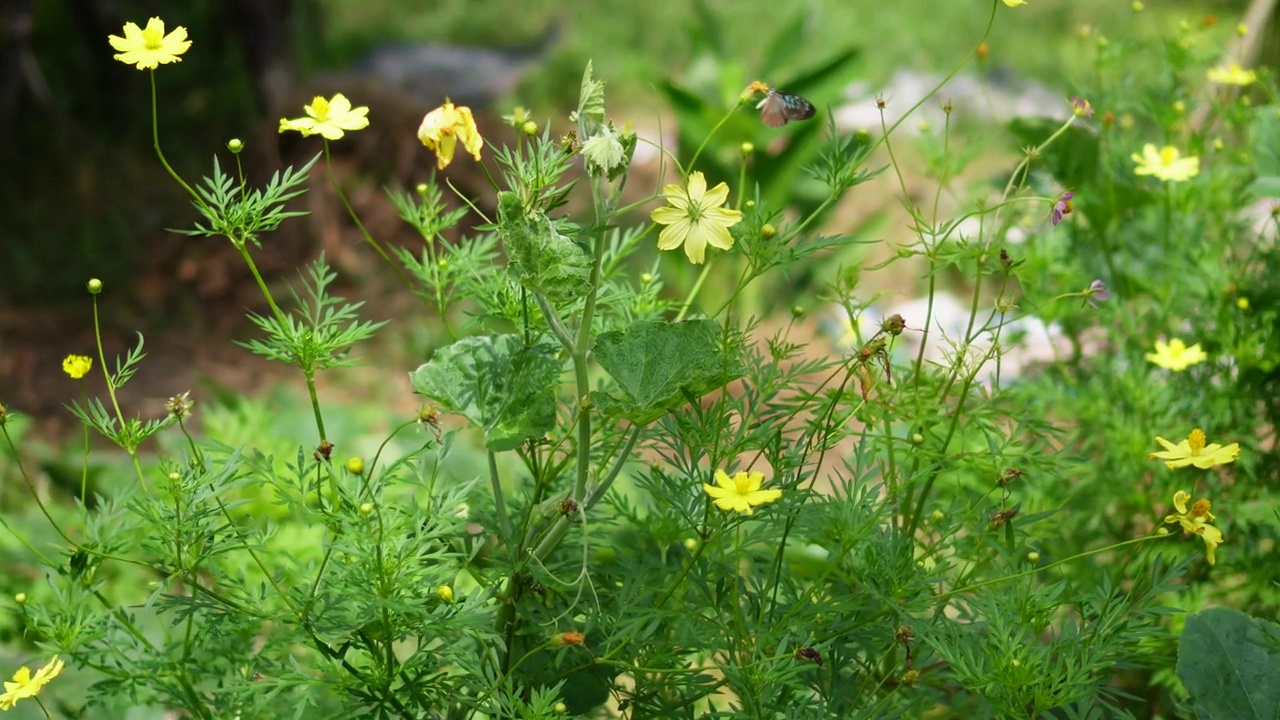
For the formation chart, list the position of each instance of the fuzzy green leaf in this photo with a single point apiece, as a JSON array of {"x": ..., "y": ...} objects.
[
  {"x": 660, "y": 366},
  {"x": 496, "y": 382},
  {"x": 542, "y": 258},
  {"x": 1230, "y": 663}
]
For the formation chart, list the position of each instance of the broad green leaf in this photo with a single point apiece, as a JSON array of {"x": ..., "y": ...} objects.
[
  {"x": 541, "y": 258},
  {"x": 496, "y": 382},
  {"x": 1230, "y": 663},
  {"x": 1264, "y": 143},
  {"x": 660, "y": 366}
]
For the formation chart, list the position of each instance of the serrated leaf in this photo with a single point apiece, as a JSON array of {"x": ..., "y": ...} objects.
[
  {"x": 496, "y": 382},
  {"x": 591, "y": 97},
  {"x": 660, "y": 366},
  {"x": 541, "y": 258},
  {"x": 1230, "y": 663}
]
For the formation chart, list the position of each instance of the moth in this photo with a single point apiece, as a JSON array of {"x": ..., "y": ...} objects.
[{"x": 778, "y": 107}]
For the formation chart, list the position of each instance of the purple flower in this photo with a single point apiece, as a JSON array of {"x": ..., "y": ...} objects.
[
  {"x": 1062, "y": 207},
  {"x": 1095, "y": 293}
]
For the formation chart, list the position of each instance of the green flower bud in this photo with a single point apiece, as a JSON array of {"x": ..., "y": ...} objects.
[
  {"x": 355, "y": 465},
  {"x": 94, "y": 285},
  {"x": 235, "y": 145},
  {"x": 366, "y": 508},
  {"x": 445, "y": 593}
]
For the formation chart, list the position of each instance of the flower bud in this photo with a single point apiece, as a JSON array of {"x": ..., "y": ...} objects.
[
  {"x": 910, "y": 677},
  {"x": 569, "y": 637},
  {"x": 445, "y": 593},
  {"x": 1242, "y": 303},
  {"x": 529, "y": 128},
  {"x": 355, "y": 465},
  {"x": 646, "y": 278},
  {"x": 20, "y": 598},
  {"x": 560, "y": 708},
  {"x": 1033, "y": 557},
  {"x": 421, "y": 188},
  {"x": 235, "y": 145},
  {"x": 937, "y": 516},
  {"x": 797, "y": 311},
  {"x": 690, "y": 544},
  {"x": 366, "y": 509},
  {"x": 917, "y": 439},
  {"x": 94, "y": 285},
  {"x": 893, "y": 325},
  {"x": 747, "y": 148},
  {"x": 768, "y": 231}
]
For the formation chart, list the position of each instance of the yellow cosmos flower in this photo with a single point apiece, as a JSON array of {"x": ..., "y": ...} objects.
[
  {"x": 443, "y": 127},
  {"x": 1166, "y": 163},
  {"x": 26, "y": 685},
  {"x": 1232, "y": 74},
  {"x": 329, "y": 119},
  {"x": 1175, "y": 355},
  {"x": 1015, "y": 3},
  {"x": 1196, "y": 521},
  {"x": 741, "y": 492},
  {"x": 695, "y": 218},
  {"x": 147, "y": 48},
  {"x": 77, "y": 366},
  {"x": 1193, "y": 451}
]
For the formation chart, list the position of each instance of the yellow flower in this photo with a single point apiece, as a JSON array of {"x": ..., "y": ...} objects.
[
  {"x": 741, "y": 492},
  {"x": 1232, "y": 74},
  {"x": 695, "y": 218},
  {"x": 147, "y": 48},
  {"x": 1196, "y": 521},
  {"x": 1193, "y": 451},
  {"x": 329, "y": 119},
  {"x": 1176, "y": 356},
  {"x": 77, "y": 366},
  {"x": 1166, "y": 163},
  {"x": 443, "y": 127},
  {"x": 25, "y": 685}
]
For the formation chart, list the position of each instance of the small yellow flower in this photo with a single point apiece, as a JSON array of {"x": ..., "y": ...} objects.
[
  {"x": 77, "y": 366},
  {"x": 1196, "y": 521},
  {"x": 1176, "y": 355},
  {"x": 26, "y": 685},
  {"x": 329, "y": 119},
  {"x": 148, "y": 48},
  {"x": 1166, "y": 163},
  {"x": 1193, "y": 451},
  {"x": 443, "y": 127},
  {"x": 741, "y": 492},
  {"x": 1232, "y": 74},
  {"x": 694, "y": 218}
]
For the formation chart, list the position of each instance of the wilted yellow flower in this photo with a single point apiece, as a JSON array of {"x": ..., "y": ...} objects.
[
  {"x": 1196, "y": 521},
  {"x": 26, "y": 685},
  {"x": 1166, "y": 163},
  {"x": 741, "y": 492},
  {"x": 329, "y": 119},
  {"x": 148, "y": 48},
  {"x": 77, "y": 366},
  {"x": 1194, "y": 451},
  {"x": 443, "y": 127},
  {"x": 1176, "y": 355},
  {"x": 1232, "y": 74},
  {"x": 695, "y": 218}
]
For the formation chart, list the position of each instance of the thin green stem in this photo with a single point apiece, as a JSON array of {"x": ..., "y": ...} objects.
[{"x": 364, "y": 232}]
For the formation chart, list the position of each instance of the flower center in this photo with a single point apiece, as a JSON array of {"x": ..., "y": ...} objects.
[
  {"x": 1196, "y": 441},
  {"x": 742, "y": 484}
]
